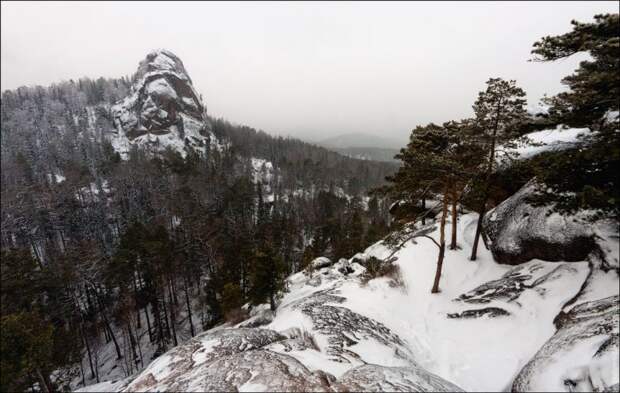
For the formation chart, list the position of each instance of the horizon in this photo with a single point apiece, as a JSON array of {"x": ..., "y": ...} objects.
[{"x": 305, "y": 70}]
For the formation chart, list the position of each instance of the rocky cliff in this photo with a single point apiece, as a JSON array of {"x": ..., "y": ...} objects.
[{"x": 163, "y": 109}]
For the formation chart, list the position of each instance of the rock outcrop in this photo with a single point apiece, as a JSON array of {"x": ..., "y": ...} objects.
[
  {"x": 501, "y": 297},
  {"x": 581, "y": 356},
  {"x": 335, "y": 354},
  {"x": 374, "y": 378},
  {"x": 163, "y": 110},
  {"x": 518, "y": 232}
]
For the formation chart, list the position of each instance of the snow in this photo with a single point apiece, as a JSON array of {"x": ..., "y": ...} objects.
[
  {"x": 538, "y": 109},
  {"x": 107, "y": 386},
  {"x": 611, "y": 116},
  {"x": 552, "y": 139},
  {"x": 162, "y": 60},
  {"x": 56, "y": 177},
  {"x": 262, "y": 169},
  {"x": 189, "y": 101},
  {"x": 455, "y": 349},
  {"x": 161, "y": 87}
]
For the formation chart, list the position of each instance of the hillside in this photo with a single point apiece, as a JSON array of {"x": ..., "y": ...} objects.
[
  {"x": 97, "y": 174},
  {"x": 335, "y": 330}
]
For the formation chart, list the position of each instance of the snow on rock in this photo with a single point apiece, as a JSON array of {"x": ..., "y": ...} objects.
[
  {"x": 107, "y": 386},
  {"x": 519, "y": 232},
  {"x": 581, "y": 356},
  {"x": 559, "y": 138},
  {"x": 374, "y": 378},
  {"x": 533, "y": 280},
  {"x": 180, "y": 368},
  {"x": 163, "y": 109},
  {"x": 312, "y": 344},
  {"x": 321, "y": 262}
]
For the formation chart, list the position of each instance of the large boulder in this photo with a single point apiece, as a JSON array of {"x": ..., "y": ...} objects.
[
  {"x": 163, "y": 109},
  {"x": 517, "y": 231}
]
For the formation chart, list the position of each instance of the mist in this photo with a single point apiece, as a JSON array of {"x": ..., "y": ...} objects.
[{"x": 310, "y": 70}]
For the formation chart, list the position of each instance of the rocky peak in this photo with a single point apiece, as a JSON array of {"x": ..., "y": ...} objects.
[
  {"x": 163, "y": 109},
  {"x": 161, "y": 60}
]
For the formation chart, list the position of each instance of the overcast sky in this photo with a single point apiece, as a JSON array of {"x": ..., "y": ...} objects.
[{"x": 305, "y": 69}]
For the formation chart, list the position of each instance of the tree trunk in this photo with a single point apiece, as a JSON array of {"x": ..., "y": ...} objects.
[
  {"x": 132, "y": 342},
  {"x": 137, "y": 301},
  {"x": 172, "y": 316},
  {"x": 189, "y": 308},
  {"x": 453, "y": 245},
  {"x": 44, "y": 381},
  {"x": 423, "y": 211},
  {"x": 272, "y": 301},
  {"x": 485, "y": 195},
  {"x": 148, "y": 322},
  {"x": 82, "y": 373},
  {"x": 108, "y": 327},
  {"x": 481, "y": 213},
  {"x": 90, "y": 359},
  {"x": 442, "y": 242}
]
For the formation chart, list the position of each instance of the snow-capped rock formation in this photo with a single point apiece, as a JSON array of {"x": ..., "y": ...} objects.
[
  {"x": 163, "y": 109},
  {"x": 519, "y": 232}
]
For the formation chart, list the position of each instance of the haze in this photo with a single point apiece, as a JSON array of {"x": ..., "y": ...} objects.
[{"x": 310, "y": 70}]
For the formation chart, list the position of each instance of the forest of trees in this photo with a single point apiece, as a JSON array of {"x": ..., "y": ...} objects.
[{"x": 97, "y": 249}]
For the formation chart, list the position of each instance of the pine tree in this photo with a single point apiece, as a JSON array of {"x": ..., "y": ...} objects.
[
  {"x": 430, "y": 167},
  {"x": 499, "y": 111},
  {"x": 586, "y": 177}
]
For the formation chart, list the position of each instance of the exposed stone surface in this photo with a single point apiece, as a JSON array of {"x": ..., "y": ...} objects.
[
  {"x": 163, "y": 109},
  {"x": 321, "y": 262},
  {"x": 490, "y": 312},
  {"x": 254, "y": 359},
  {"x": 504, "y": 293},
  {"x": 518, "y": 232},
  {"x": 174, "y": 370},
  {"x": 581, "y": 356},
  {"x": 375, "y": 378}
]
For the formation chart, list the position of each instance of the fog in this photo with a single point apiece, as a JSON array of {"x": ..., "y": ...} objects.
[{"x": 310, "y": 70}]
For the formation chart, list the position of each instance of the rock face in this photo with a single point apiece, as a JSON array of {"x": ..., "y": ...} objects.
[
  {"x": 581, "y": 356},
  {"x": 501, "y": 297},
  {"x": 337, "y": 353},
  {"x": 374, "y": 378},
  {"x": 163, "y": 109},
  {"x": 519, "y": 232}
]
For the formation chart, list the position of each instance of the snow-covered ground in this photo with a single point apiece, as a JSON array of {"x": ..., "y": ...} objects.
[{"x": 381, "y": 336}]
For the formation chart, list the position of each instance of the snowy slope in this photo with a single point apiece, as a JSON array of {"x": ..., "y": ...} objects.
[{"x": 335, "y": 333}]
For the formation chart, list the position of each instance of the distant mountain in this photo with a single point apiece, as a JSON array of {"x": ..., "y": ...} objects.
[
  {"x": 367, "y": 153},
  {"x": 363, "y": 146},
  {"x": 360, "y": 140}
]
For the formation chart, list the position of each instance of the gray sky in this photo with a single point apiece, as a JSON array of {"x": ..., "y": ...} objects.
[{"x": 305, "y": 69}]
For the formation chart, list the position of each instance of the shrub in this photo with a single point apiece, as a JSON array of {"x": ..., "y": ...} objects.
[{"x": 376, "y": 268}]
